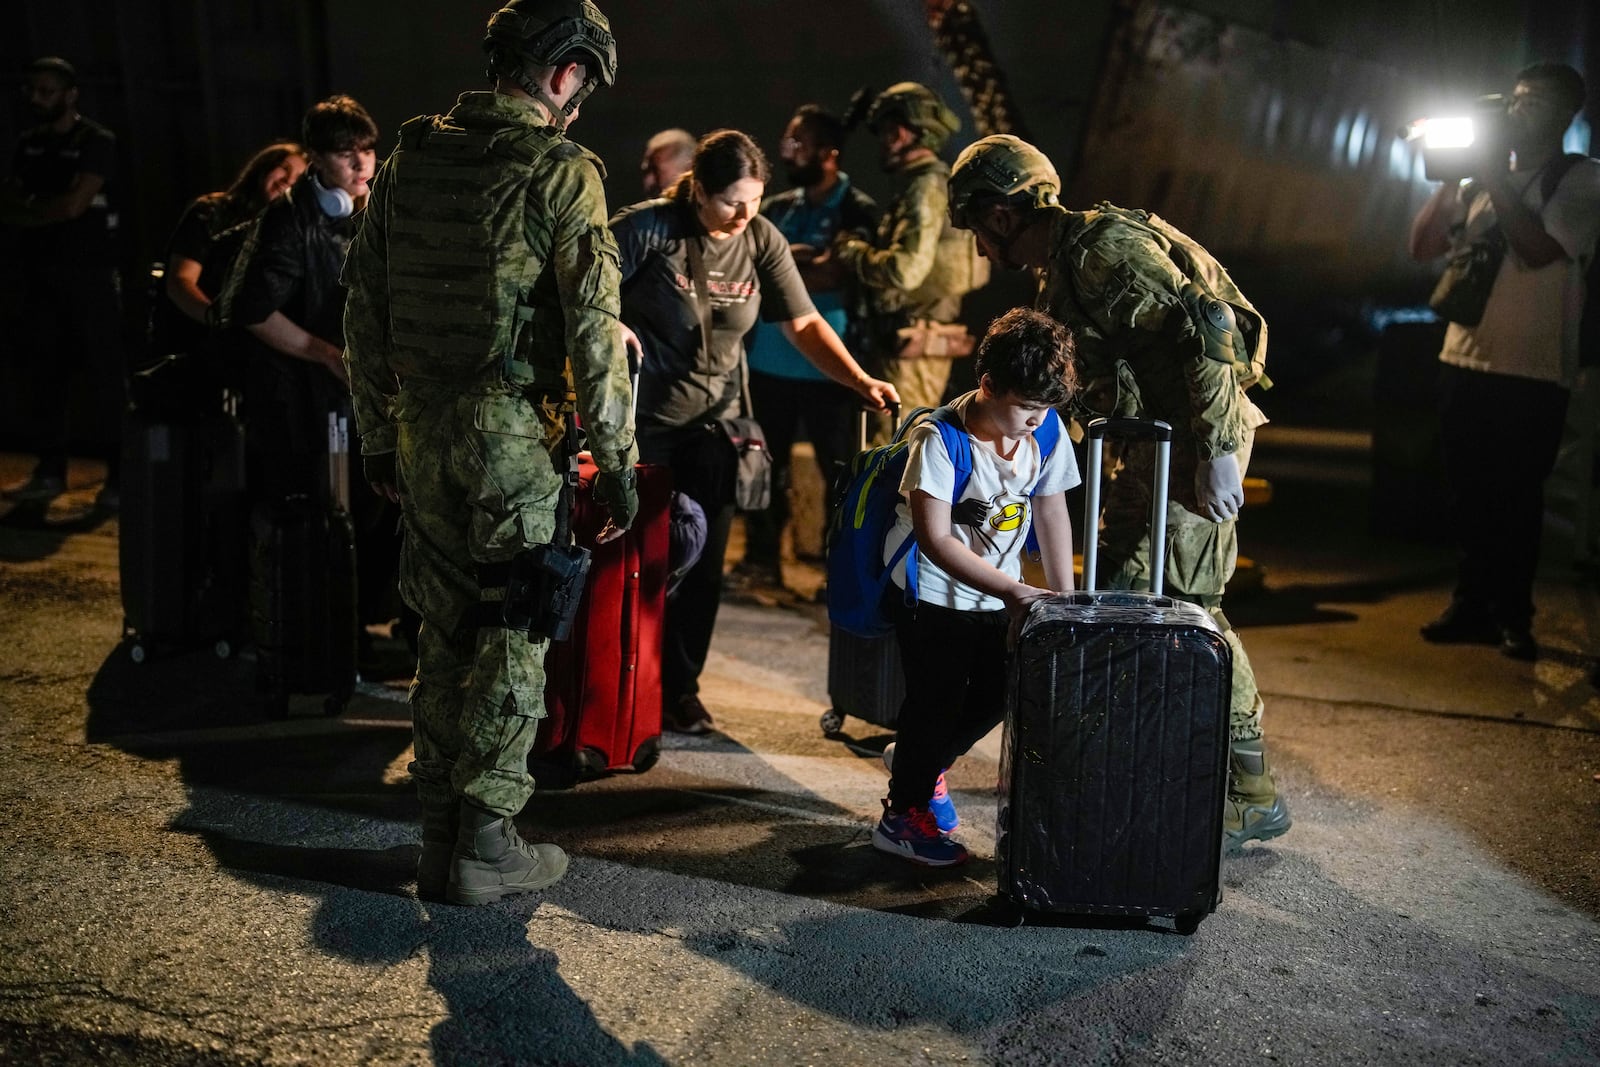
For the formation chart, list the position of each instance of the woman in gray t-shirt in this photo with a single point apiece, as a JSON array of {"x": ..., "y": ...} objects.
[{"x": 688, "y": 381}]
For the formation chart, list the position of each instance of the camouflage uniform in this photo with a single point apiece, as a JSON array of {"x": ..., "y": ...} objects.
[
  {"x": 917, "y": 266},
  {"x": 484, "y": 292},
  {"x": 1139, "y": 353}
]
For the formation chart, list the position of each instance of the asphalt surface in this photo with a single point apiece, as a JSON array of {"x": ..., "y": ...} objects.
[{"x": 183, "y": 881}]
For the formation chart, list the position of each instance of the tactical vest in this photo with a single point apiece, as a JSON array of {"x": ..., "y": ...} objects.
[
  {"x": 464, "y": 255},
  {"x": 1249, "y": 329}
]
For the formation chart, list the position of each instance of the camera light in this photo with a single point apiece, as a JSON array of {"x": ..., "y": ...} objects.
[{"x": 1446, "y": 133}]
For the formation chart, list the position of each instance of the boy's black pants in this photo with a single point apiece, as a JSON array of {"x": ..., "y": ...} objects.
[{"x": 955, "y": 666}]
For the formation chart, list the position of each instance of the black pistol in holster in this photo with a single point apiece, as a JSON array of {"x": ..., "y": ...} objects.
[{"x": 545, "y": 584}]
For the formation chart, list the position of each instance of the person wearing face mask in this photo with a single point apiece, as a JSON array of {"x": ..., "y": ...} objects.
[
  {"x": 57, "y": 199},
  {"x": 709, "y": 224},
  {"x": 915, "y": 268},
  {"x": 291, "y": 302},
  {"x": 788, "y": 389},
  {"x": 1506, "y": 381},
  {"x": 1160, "y": 331}
]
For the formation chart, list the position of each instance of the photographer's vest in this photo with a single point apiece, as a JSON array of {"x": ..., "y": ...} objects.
[{"x": 464, "y": 254}]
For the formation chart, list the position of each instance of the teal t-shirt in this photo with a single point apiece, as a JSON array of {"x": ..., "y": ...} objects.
[{"x": 801, "y": 223}]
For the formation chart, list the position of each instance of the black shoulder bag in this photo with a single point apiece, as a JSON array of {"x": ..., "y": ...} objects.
[
  {"x": 1462, "y": 293},
  {"x": 742, "y": 441}
]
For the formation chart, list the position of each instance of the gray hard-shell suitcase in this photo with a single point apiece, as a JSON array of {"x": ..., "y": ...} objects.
[
  {"x": 1114, "y": 762},
  {"x": 865, "y": 678}
]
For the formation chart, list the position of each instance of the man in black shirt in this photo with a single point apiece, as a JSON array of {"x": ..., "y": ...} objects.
[{"x": 57, "y": 199}]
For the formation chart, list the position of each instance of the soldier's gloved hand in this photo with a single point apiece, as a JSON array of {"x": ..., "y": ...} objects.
[
  {"x": 381, "y": 473},
  {"x": 1219, "y": 487},
  {"x": 618, "y": 493}
]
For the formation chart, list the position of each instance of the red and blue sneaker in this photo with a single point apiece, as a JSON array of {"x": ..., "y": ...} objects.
[
  {"x": 943, "y": 808},
  {"x": 914, "y": 836}
]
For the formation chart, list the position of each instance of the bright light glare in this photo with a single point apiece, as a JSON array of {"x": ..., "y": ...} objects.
[{"x": 1446, "y": 133}]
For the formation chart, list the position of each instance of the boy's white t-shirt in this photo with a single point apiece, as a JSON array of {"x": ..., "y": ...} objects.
[{"x": 994, "y": 512}]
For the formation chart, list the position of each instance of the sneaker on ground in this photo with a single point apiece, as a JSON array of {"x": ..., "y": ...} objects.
[
  {"x": 38, "y": 487},
  {"x": 687, "y": 716},
  {"x": 914, "y": 836},
  {"x": 748, "y": 574},
  {"x": 943, "y": 808}
]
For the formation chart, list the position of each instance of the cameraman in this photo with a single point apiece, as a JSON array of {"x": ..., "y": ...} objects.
[{"x": 1506, "y": 381}]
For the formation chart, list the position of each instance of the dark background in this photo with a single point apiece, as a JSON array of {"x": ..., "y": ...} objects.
[{"x": 1266, "y": 129}]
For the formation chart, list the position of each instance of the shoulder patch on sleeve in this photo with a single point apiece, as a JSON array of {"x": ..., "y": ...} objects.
[{"x": 568, "y": 150}]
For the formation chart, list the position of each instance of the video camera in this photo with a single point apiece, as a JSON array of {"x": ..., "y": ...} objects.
[{"x": 1466, "y": 144}]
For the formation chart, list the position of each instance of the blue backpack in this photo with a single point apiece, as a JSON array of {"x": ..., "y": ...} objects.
[{"x": 864, "y": 512}]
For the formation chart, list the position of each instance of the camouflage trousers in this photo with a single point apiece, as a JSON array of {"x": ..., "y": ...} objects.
[
  {"x": 1201, "y": 556},
  {"x": 920, "y": 383},
  {"x": 479, "y": 485}
]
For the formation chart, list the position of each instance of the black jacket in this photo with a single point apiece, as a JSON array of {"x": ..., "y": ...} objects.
[{"x": 295, "y": 268}]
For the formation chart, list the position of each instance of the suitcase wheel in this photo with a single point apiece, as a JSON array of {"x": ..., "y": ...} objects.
[
  {"x": 335, "y": 704},
  {"x": 222, "y": 649},
  {"x": 1188, "y": 922},
  {"x": 832, "y": 722},
  {"x": 589, "y": 762},
  {"x": 136, "y": 652},
  {"x": 647, "y": 755}
]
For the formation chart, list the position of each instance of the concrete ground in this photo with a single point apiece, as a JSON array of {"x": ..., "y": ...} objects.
[{"x": 183, "y": 881}]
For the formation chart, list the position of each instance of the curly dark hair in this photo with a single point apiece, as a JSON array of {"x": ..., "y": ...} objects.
[{"x": 1029, "y": 355}]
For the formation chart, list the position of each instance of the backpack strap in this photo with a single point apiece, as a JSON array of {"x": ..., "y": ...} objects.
[
  {"x": 1048, "y": 435},
  {"x": 953, "y": 432}
]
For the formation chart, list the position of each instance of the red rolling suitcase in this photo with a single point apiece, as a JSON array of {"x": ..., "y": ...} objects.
[
  {"x": 603, "y": 686},
  {"x": 1114, "y": 765}
]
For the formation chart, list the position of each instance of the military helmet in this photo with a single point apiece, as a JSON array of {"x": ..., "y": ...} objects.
[
  {"x": 540, "y": 32},
  {"x": 918, "y": 107},
  {"x": 998, "y": 166}
]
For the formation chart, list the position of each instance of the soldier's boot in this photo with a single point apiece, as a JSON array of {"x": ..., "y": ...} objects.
[
  {"x": 491, "y": 860},
  {"x": 439, "y": 821},
  {"x": 1255, "y": 811}
]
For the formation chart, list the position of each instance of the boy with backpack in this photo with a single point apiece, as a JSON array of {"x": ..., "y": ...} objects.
[{"x": 982, "y": 475}]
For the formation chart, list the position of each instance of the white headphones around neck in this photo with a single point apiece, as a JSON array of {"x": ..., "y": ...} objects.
[{"x": 335, "y": 203}]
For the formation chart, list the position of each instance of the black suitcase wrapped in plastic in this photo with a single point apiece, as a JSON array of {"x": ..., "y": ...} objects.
[
  {"x": 183, "y": 541},
  {"x": 1114, "y": 763},
  {"x": 1113, "y": 768}
]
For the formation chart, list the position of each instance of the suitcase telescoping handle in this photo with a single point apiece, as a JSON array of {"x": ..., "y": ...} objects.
[
  {"x": 861, "y": 424},
  {"x": 1099, "y": 430}
]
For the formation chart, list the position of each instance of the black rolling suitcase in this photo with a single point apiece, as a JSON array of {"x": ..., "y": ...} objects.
[
  {"x": 865, "y": 678},
  {"x": 1113, "y": 769},
  {"x": 303, "y": 588},
  {"x": 183, "y": 535}
]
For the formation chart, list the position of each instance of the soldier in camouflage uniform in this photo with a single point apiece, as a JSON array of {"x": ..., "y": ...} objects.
[
  {"x": 1154, "y": 340},
  {"x": 484, "y": 299},
  {"x": 916, "y": 268}
]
